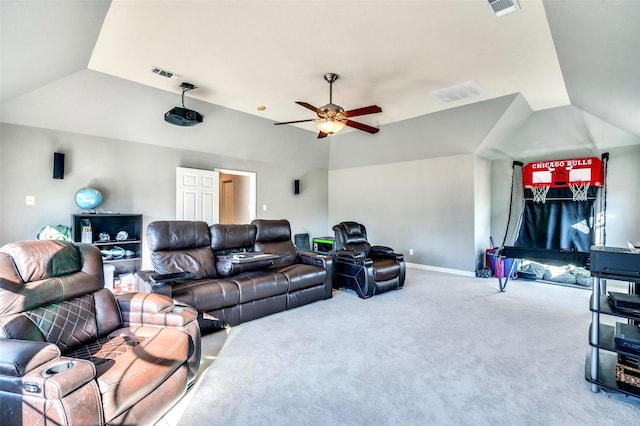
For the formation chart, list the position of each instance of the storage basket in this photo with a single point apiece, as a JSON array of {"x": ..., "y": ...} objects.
[{"x": 628, "y": 370}]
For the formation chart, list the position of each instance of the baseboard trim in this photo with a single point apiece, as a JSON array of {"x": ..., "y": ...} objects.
[{"x": 439, "y": 269}]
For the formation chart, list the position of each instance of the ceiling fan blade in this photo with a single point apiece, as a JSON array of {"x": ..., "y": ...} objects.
[
  {"x": 371, "y": 109},
  {"x": 296, "y": 121},
  {"x": 309, "y": 106},
  {"x": 322, "y": 135},
  {"x": 361, "y": 126}
]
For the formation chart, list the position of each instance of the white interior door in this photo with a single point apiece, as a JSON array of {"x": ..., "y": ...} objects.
[{"x": 197, "y": 195}]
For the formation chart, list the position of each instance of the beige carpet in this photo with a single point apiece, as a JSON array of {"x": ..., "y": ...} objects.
[{"x": 444, "y": 350}]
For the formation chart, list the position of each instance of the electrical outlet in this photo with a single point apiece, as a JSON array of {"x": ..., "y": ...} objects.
[
  {"x": 264, "y": 207},
  {"x": 31, "y": 200},
  {"x": 410, "y": 252}
]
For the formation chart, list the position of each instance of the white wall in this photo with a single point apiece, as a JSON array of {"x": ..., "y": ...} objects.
[
  {"x": 134, "y": 178},
  {"x": 424, "y": 205},
  {"x": 482, "y": 208}
]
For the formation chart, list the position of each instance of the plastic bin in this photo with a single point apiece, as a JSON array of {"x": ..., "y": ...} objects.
[
  {"x": 109, "y": 270},
  {"x": 505, "y": 265}
]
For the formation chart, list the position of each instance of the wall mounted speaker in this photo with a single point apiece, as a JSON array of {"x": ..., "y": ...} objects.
[
  {"x": 58, "y": 165},
  {"x": 296, "y": 186}
]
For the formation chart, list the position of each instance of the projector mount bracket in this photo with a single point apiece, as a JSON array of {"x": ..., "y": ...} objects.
[{"x": 185, "y": 88}]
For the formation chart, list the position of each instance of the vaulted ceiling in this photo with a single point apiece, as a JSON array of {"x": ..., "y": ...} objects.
[{"x": 248, "y": 54}]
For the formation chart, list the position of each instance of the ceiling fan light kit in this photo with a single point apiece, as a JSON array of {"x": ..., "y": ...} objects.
[
  {"x": 332, "y": 118},
  {"x": 330, "y": 126}
]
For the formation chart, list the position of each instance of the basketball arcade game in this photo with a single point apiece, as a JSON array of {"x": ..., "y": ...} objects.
[{"x": 546, "y": 199}]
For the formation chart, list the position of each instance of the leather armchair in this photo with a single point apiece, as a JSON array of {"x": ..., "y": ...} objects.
[
  {"x": 73, "y": 353},
  {"x": 366, "y": 269}
]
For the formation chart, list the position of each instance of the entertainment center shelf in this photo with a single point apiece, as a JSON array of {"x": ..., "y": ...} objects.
[
  {"x": 603, "y": 357},
  {"x": 607, "y": 374},
  {"x": 123, "y": 248}
]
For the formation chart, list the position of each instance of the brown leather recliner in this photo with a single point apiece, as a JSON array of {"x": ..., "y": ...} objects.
[
  {"x": 73, "y": 353},
  {"x": 366, "y": 269},
  {"x": 219, "y": 274}
]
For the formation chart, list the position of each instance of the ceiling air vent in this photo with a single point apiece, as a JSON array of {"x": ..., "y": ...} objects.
[
  {"x": 165, "y": 73},
  {"x": 468, "y": 89},
  {"x": 502, "y": 7}
]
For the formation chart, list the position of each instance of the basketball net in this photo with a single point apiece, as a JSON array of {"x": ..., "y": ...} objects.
[
  {"x": 540, "y": 193},
  {"x": 579, "y": 190}
]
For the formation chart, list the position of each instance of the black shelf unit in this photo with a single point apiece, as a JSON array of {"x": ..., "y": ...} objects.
[
  {"x": 601, "y": 359},
  {"x": 112, "y": 223}
]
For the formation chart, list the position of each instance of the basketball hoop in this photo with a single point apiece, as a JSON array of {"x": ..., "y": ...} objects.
[
  {"x": 540, "y": 193},
  {"x": 579, "y": 190}
]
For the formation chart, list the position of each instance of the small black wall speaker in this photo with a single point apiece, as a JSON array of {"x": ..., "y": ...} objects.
[
  {"x": 58, "y": 165},
  {"x": 296, "y": 186}
]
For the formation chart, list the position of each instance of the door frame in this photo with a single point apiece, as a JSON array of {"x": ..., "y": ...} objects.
[{"x": 252, "y": 188}]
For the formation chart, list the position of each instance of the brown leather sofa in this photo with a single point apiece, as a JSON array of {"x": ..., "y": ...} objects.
[
  {"x": 237, "y": 273},
  {"x": 73, "y": 353},
  {"x": 368, "y": 270}
]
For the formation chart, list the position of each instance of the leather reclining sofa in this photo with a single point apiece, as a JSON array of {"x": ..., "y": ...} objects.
[
  {"x": 72, "y": 353},
  {"x": 230, "y": 281}
]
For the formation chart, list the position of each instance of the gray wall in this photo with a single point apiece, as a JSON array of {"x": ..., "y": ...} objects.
[
  {"x": 134, "y": 178},
  {"x": 425, "y": 205},
  {"x": 397, "y": 182}
]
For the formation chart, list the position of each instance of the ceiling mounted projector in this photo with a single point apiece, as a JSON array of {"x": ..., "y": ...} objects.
[{"x": 183, "y": 116}]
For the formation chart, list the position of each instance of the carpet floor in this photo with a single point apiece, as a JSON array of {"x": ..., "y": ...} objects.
[{"x": 445, "y": 350}]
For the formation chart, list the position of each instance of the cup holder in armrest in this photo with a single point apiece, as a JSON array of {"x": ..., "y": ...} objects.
[{"x": 57, "y": 369}]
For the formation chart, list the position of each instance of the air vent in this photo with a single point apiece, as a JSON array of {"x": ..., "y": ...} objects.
[
  {"x": 165, "y": 73},
  {"x": 502, "y": 7},
  {"x": 468, "y": 89}
]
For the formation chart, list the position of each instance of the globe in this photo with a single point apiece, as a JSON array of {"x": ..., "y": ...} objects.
[{"x": 88, "y": 198}]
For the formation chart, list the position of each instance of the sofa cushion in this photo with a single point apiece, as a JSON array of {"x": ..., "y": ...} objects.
[
  {"x": 17, "y": 295},
  {"x": 132, "y": 362},
  {"x": 166, "y": 235},
  {"x": 301, "y": 276},
  {"x": 207, "y": 295},
  {"x": 181, "y": 246},
  {"x": 46, "y": 259},
  {"x": 227, "y": 239},
  {"x": 199, "y": 261},
  {"x": 385, "y": 269},
  {"x": 274, "y": 237},
  {"x": 260, "y": 285}
]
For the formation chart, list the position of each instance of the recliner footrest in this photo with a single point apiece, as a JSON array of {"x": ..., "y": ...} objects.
[{"x": 160, "y": 279}]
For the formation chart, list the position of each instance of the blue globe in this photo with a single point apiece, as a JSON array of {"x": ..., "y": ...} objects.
[{"x": 88, "y": 198}]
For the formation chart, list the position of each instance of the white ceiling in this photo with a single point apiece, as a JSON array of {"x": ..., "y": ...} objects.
[{"x": 245, "y": 54}]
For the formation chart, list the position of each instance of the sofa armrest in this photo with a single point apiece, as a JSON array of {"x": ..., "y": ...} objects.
[
  {"x": 58, "y": 378},
  {"x": 18, "y": 357},
  {"x": 144, "y": 283},
  {"x": 324, "y": 261},
  {"x": 160, "y": 279},
  {"x": 310, "y": 258},
  {"x": 352, "y": 257},
  {"x": 37, "y": 369},
  {"x": 386, "y": 252},
  {"x": 151, "y": 309}
]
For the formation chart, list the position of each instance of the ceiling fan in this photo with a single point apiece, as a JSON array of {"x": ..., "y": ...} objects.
[{"x": 332, "y": 118}]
